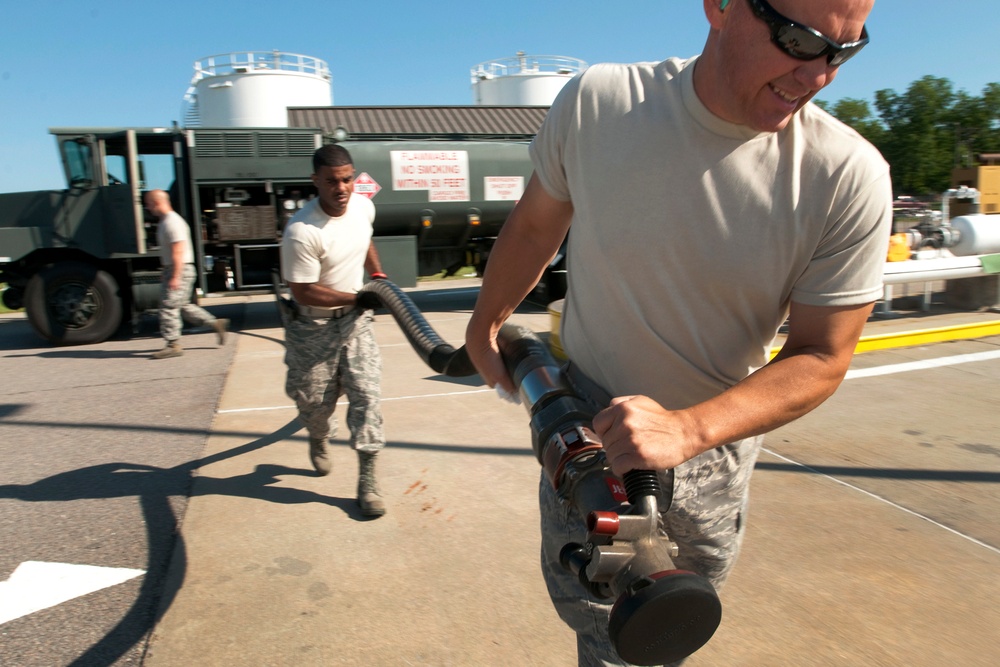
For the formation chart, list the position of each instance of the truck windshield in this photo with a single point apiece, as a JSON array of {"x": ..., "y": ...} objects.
[{"x": 78, "y": 165}]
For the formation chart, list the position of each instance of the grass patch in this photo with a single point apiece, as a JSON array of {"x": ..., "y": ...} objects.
[
  {"x": 464, "y": 272},
  {"x": 3, "y": 308}
]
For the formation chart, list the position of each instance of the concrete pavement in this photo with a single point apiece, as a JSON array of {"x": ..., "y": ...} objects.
[{"x": 276, "y": 566}]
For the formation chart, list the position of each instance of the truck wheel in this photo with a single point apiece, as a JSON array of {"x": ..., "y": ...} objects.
[
  {"x": 74, "y": 303},
  {"x": 13, "y": 298}
]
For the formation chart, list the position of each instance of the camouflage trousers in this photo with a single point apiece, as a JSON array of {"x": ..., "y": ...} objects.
[
  {"x": 175, "y": 305},
  {"x": 328, "y": 358},
  {"x": 703, "y": 509}
]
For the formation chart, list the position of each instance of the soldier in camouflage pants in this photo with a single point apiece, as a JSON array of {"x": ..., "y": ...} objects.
[
  {"x": 326, "y": 247},
  {"x": 173, "y": 236},
  {"x": 327, "y": 358},
  {"x": 176, "y": 306},
  {"x": 703, "y": 507}
]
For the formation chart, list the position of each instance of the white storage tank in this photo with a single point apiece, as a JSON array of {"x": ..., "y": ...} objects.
[
  {"x": 522, "y": 80},
  {"x": 978, "y": 234},
  {"x": 254, "y": 88}
]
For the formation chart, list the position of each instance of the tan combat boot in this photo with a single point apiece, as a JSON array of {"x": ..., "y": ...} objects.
[
  {"x": 319, "y": 456},
  {"x": 173, "y": 349},
  {"x": 369, "y": 498},
  {"x": 220, "y": 326}
]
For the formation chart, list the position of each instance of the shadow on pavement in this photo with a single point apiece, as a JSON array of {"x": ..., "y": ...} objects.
[{"x": 155, "y": 487}]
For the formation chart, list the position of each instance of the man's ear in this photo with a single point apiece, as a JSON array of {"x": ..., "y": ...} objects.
[{"x": 714, "y": 10}]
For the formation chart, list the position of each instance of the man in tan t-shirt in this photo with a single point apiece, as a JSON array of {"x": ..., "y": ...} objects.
[
  {"x": 707, "y": 200},
  {"x": 177, "y": 278}
]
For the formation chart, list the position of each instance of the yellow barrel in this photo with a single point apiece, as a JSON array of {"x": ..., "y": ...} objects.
[
  {"x": 555, "y": 319},
  {"x": 899, "y": 248}
]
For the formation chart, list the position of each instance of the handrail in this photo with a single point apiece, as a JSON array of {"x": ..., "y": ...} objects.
[
  {"x": 925, "y": 270},
  {"x": 239, "y": 62},
  {"x": 523, "y": 64},
  {"x": 242, "y": 62}
]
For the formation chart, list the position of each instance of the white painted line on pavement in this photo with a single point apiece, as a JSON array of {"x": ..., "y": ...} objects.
[
  {"x": 384, "y": 400},
  {"x": 922, "y": 365},
  {"x": 34, "y": 585},
  {"x": 858, "y": 373},
  {"x": 449, "y": 393},
  {"x": 884, "y": 500},
  {"x": 273, "y": 407}
]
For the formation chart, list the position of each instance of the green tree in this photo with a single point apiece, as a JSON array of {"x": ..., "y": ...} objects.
[
  {"x": 977, "y": 125},
  {"x": 927, "y": 131},
  {"x": 858, "y": 114},
  {"x": 919, "y": 141}
]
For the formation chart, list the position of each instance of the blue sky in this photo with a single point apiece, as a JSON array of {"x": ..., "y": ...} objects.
[{"x": 116, "y": 63}]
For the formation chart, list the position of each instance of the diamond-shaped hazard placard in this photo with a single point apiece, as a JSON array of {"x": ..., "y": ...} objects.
[{"x": 366, "y": 186}]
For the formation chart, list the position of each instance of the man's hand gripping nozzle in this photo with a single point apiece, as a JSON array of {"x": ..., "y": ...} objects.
[{"x": 661, "y": 614}]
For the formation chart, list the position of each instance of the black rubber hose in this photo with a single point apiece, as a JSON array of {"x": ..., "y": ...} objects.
[
  {"x": 435, "y": 352},
  {"x": 522, "y": 351}
]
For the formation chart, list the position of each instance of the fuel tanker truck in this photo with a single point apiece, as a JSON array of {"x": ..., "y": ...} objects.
[{"x": 83, "y": 262}]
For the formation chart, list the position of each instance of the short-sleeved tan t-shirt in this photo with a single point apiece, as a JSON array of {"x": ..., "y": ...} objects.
[
  {"x": 318, "y": 248},
  {"x": 691, "y": 235}
]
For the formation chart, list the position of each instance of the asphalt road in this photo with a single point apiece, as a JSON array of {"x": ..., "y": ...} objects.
[{"x": 99, "y": 444}]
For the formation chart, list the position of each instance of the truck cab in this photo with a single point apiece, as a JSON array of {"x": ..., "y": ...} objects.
[{"x": 83, "y": 261}]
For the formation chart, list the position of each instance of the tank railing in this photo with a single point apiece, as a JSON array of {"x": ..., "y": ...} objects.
[
  {"x": 239, "y": 62},
  {"x": 927, "y": 271},
  {"x": 525, "y": 64}
]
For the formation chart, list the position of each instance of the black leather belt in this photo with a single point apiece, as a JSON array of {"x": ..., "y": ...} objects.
[{"x": 329, "y": 313}]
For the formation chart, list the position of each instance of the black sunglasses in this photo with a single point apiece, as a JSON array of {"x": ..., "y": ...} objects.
[{"x": 801, "y": 41}]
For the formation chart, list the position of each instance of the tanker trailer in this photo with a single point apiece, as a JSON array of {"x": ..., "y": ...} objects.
[{"x": 451, "y": 196}]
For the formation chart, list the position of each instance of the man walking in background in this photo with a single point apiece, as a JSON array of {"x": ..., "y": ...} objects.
[{"x": 177, "y": 279}]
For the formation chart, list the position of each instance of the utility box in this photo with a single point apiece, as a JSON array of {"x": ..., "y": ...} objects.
[
  {"x": 973, "y": 293},
  {"x": 986, "y": 178},
  {"x": 399, "y": 258}
]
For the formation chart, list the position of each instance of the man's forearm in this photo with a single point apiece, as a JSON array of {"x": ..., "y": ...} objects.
[
  {"x": 373, "y": 264},
  {"x": 638, "y": 433},
  {"x": 775, "y": 395},
  {"x": 805, "y": 372},
  {"x": 514, "y": 268},
  {"x": 529, "y": 239}
]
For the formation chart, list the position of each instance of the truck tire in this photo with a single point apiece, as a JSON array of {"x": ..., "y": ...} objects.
[{"x": 74, "y": 303}]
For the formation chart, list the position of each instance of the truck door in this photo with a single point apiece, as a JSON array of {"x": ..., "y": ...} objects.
[
  {"x": 78, "y": 160},
  {"x": 122, "y": 171},
  {"x": 103, "y": 173}
]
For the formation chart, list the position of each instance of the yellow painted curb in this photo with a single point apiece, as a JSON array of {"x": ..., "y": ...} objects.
[
  {"x": 555, "y": 317},
  {"x": 886, "y": 341},
  {"x": 922, "y": 337}
]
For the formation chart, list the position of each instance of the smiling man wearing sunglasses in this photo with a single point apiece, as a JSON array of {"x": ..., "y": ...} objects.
[
  {"x": 746, "y": 80},
  {"x": 706, "y": 200}
]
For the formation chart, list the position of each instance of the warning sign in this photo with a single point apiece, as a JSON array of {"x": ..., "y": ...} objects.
[
  {"x": 503, "y": 188},
  {"x": 366, "y": 186},
  {"x": 444, "y": 174}
]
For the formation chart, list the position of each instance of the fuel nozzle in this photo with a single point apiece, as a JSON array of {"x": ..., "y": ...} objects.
[{"x": 660, "y": 614}]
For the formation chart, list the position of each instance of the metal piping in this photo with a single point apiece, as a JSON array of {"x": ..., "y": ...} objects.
[
  {"x": 962, "y": 192},
  {"x": 926, "y": 270}
]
